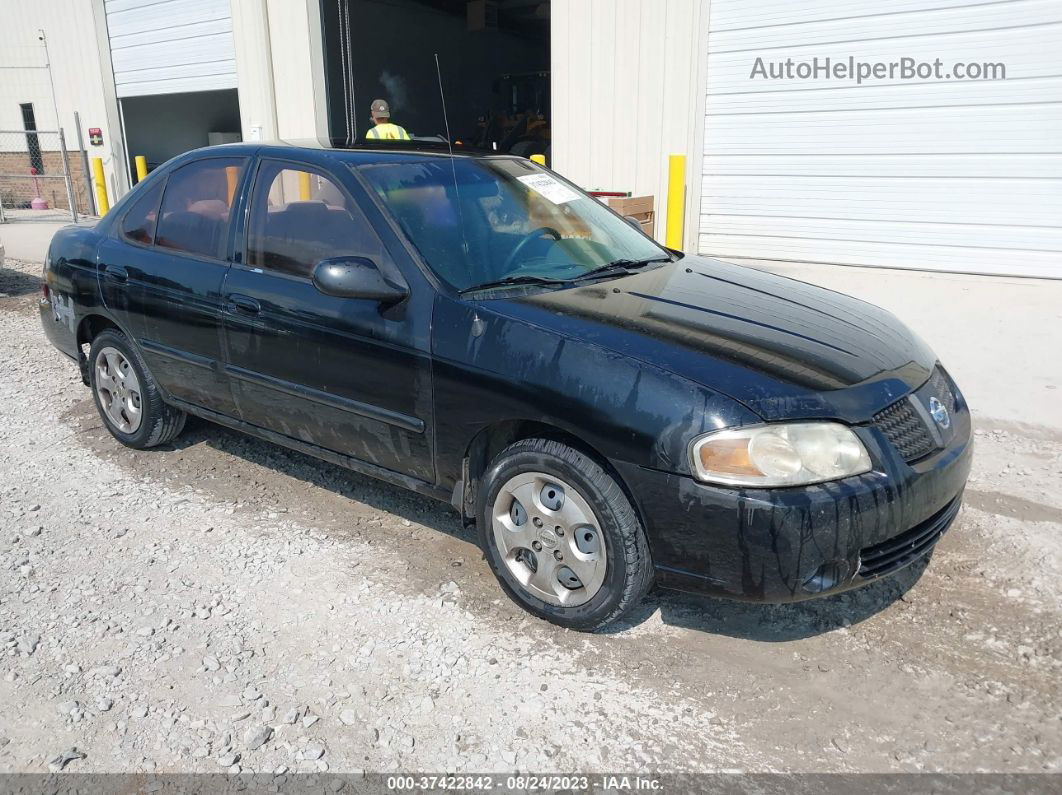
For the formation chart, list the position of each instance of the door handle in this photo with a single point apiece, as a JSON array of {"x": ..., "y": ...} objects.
[
  {"x": 116, "y": 273},
  {"x": 242, "y": 304}
]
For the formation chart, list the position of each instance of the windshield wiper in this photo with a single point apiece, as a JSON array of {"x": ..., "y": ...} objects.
[
  {"x": 618, "y": 267},
  {"x": 509, "y": 281}
]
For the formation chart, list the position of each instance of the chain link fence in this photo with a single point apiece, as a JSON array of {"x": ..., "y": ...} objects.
[{"x": 39, "y": 178}]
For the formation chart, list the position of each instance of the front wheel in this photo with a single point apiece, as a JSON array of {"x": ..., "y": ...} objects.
[{"x": 561, "y": 535}]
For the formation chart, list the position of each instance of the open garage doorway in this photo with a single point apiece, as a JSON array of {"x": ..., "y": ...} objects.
[
  {"x": 161, "y": 126},
  {"x": 494, "y": 57}
]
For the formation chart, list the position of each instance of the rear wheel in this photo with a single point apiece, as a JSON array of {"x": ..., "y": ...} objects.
[
  {"x": 561, "y": 535},
  {"x": 126, "y": 395}
]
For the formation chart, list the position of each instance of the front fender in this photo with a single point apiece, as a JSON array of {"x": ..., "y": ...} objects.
[{"x": 489, "y": 368}]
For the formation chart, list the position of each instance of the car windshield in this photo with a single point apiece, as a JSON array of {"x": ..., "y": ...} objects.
[{"x": 504, "y": 220}]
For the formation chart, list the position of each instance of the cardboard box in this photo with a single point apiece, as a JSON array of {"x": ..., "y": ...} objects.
[{"x": 639, "y": 207}]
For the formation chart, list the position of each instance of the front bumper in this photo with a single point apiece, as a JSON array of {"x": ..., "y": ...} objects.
[{"x": 784, "y": 545}]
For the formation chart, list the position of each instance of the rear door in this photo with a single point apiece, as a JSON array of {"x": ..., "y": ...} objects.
[
  {"x": 120, "y": 260},
  {"x": 162, "y": 277},
  {"x": 345, "y": 374}
]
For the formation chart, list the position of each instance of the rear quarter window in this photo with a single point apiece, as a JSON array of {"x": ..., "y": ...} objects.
[{"x": 138, "y": 225}]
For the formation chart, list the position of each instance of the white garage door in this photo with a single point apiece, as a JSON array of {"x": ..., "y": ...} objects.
[
  {"x": 951, "y": 175},
  {"x": 171, "y": 46}
]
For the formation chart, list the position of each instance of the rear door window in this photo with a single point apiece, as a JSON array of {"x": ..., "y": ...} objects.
[
  {"x": 197, "y": 205},
  {"x": 300, "y": 217}
]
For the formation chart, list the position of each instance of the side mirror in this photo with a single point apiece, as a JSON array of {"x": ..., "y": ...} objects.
[
  {"x": 630, "y": 219},
  {"x": 356, "y": 277}
]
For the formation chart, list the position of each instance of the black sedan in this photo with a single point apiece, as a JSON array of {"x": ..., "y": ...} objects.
[{"x": 610, "y": 413}]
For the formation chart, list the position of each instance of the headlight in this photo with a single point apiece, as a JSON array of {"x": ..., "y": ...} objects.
[{"x": 792, "y": 454}]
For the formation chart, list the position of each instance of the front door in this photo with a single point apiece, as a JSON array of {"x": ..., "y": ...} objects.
[
  {"x": 161, "y": 277},
  {"x": 345, "y": 374}
]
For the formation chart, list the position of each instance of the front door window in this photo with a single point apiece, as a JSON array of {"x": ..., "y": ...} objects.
[{"x": 300, "y": 217}]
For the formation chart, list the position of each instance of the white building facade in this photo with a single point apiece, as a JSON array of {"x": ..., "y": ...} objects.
[
  {"x": 921, "y": 170},
  {"x": 913, "y": 172}
]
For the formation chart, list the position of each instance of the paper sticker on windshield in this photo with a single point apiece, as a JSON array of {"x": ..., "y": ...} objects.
[{"x": 550, "y": 188}]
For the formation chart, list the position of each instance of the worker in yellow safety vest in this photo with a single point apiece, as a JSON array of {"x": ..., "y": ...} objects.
[{"x": 383, "y": 129}]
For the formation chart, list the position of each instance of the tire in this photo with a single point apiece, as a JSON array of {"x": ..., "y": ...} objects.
[
  {"x": 581, "y": 514},
  {"x": 132, "y": 408}
]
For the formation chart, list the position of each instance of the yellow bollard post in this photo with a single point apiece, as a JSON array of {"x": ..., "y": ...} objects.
[
  {"x": 102, "y": 202},
  {"x": 141, "y": 167},
  {"x": 540, "y": 159},
  {"x": 676, "y": 201},
  {"x": 232, "y": 174},
  {"x": 304, "y": 186}
]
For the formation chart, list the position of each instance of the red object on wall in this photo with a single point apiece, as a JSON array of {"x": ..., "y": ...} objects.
[{"x": 95, "y": 136}]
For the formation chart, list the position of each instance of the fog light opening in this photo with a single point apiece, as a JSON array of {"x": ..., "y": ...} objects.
[{"x": 829, "y": 575}]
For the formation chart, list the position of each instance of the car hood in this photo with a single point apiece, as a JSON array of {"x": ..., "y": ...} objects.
[{"x": 783, "y": 348}]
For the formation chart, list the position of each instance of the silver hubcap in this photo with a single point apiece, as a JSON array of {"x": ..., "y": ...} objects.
[
  {"x": 549, "y": 539},
  {"x": 118, "y": 389}
]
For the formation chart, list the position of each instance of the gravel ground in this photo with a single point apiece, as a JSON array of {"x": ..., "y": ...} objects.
[{"x": 223, "y": 604}]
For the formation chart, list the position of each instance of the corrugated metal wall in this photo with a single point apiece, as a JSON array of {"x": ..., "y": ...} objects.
[
  {"x": 626, "y": 77},
  {"x": 171, "y": 46},
  {"x": 947, "y": 175}
]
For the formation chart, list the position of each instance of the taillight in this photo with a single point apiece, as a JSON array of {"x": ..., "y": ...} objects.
[{"x": 45, "y": 293}]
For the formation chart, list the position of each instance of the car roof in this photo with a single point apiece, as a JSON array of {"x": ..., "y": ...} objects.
[{"x": 376, "y": 149}]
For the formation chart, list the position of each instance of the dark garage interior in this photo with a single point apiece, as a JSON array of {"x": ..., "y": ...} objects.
[
  {"x": 162, "y": 126},
  {"x": 494, "y": 58}
]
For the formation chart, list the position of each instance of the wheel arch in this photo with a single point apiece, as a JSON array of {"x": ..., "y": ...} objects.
[
  {"x": 88, "y": 328},
  {"x": 91, "y": 325},
  {"x": 492, "y": 439}
]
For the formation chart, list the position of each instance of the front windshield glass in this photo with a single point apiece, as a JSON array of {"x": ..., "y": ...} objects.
[{"x": 505, "y": 218}]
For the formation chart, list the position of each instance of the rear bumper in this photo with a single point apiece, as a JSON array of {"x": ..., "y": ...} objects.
[
  {"x": 785, "y": 545},
  {"x": 59, "y": 322}
]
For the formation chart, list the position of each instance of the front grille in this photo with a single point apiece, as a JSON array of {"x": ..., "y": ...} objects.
[
  {"x": 903, "y": 426},
  {"x": 895, "y": 553}
]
